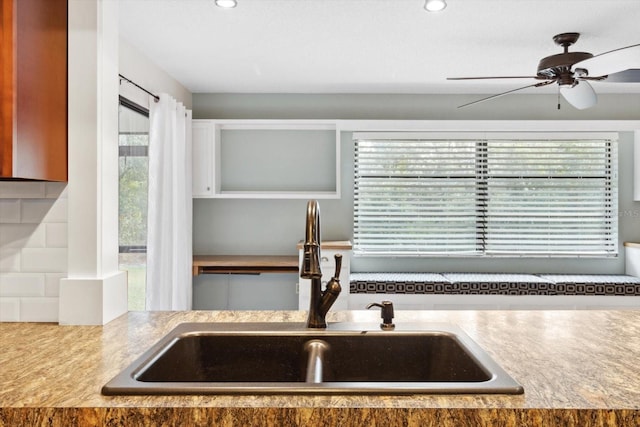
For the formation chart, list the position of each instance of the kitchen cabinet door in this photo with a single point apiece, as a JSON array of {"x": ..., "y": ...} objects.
[
  {"x": 33, "y": 50},
  {"x": 203, "y": 162}
]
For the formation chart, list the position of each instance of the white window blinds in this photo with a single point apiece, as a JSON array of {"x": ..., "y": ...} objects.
[{"x": 513, "y": 195}]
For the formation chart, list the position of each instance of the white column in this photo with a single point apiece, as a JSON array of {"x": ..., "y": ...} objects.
[{"x": 95, "y": 291}]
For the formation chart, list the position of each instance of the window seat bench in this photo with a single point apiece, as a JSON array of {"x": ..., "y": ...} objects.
[
  {"x": 500, "y": 291},
  {"x": 494, "y": 284}
]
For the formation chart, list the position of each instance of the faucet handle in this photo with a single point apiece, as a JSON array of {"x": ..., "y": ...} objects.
[
  {"x": 386, "y": 313},
  {"x": 338, "y": 258},
  {"x": 333, "y": 289}
]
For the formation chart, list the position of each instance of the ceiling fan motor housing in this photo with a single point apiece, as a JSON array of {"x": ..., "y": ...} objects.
[
  {"x": 559, "y": 66},
  {"x": 553, "y": 66}
]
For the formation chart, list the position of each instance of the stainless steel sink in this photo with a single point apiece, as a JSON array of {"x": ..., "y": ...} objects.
[{"x": 251, "y": 358}]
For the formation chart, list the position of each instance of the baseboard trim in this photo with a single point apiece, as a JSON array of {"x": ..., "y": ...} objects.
[{"x": 92, "y": 301}]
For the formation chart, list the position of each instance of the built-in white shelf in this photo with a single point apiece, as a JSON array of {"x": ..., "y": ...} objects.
[{"x": 266, "y": 159}]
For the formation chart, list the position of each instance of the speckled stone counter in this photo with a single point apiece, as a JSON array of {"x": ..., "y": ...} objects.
[{"x": 578, "y": 368}]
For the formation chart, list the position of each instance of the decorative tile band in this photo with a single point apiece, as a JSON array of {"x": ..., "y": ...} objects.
[{"x": 494, "y": 284}]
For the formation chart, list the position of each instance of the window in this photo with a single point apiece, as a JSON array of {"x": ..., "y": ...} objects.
[
  {"x": 133, "y": 185},
  {"x": 498, "y": 195}
]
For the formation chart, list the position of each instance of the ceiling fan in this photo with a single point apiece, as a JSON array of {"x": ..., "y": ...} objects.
[{"x": 574, "y": 70}]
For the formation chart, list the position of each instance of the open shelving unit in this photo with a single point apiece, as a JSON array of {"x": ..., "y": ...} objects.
[{"x": 266, "y": 159}]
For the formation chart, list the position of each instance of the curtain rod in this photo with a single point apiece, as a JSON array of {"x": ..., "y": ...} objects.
[{"x": 156, "y": 97}]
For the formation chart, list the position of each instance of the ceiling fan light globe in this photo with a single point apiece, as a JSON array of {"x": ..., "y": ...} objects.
[
  {"x": 581, "y": 95},
  {"x": 435, "y": 5}
]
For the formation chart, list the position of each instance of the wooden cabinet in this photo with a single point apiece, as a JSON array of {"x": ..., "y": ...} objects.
[{"x": 33, "y": 120}]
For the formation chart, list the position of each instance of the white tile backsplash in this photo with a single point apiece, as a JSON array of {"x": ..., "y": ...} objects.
[
  {"x": 56, "y": 235},
  {"x": 43, "y": 210},
  {"x": 22, "y": 236},
  {"x": 39, "y": 309},
  {"x": 33, "y": 250},
  {"x": 9, "y": 259},
  {"x": 52, "y": 284},
  {"x": 9, "y": 211},
  {"x": 9, "y": 309},
  {"x": 44, "y": 260},
  {"x": 56, "y": 190},
  {"x": 22, "y": 190},
  {"x": 22, "y": 285}
]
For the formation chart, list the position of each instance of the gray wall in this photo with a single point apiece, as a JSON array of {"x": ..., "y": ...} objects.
[
  {"x": 407, "y": 107},
  {"x": 229, "y": 226}
]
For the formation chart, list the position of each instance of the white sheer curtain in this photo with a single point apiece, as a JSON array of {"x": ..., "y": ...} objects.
[{"x": 169, "y": 222}]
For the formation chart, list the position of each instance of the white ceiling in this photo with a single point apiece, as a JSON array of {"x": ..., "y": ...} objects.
[{"x": 369, "y": 46}]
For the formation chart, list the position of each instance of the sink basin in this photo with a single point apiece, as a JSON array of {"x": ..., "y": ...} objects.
[{"x": 219, "y": 358}]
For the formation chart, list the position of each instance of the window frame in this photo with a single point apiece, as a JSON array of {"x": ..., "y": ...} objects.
[
  {"x": 481, "y": 139},
  {"x": 132, "y": 151}
]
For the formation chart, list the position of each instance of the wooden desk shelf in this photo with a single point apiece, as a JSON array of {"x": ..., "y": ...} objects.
[{"x": 244, "y": 264}]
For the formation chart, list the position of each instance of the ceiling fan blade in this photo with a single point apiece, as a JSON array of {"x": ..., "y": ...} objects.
[
  {"x": 611, "y": 62},
  {"x": 627, "y": 76},
  {"x": 507, "y": 92},
  {"x": 496, "y": 77},
  {"x": 581, "y": 96}
]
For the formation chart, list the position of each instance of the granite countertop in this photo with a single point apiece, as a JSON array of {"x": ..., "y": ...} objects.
[{"x": 577, "y": 368}]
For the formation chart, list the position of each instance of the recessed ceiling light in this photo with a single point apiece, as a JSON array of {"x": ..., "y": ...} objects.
[
  {"x": 435, "y": 5},
  {"x": 227, "y": 4}
]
